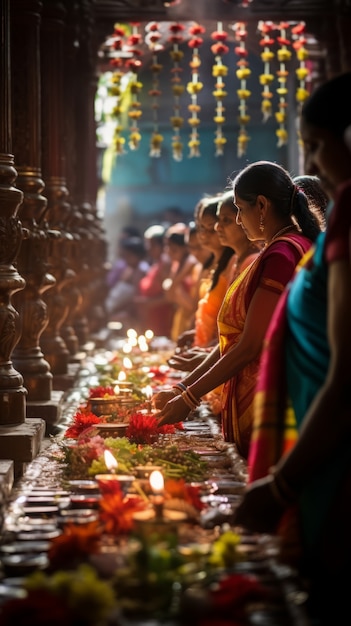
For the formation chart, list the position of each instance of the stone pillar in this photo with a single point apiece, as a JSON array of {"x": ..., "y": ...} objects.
[
  {"x": 32, "y": 260},
  {"x": 20, "y": 438}
]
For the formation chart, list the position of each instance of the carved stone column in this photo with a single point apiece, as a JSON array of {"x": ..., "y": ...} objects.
[
  {"x": 20, "y": 438},
  {"x": 32, "y": 260}
]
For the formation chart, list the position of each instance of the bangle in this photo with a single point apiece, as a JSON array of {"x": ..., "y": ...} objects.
[
  {"x": 180, "y": 386},
  {"x": 190, "y": 399},
  {"x": 289, "y": 494}
]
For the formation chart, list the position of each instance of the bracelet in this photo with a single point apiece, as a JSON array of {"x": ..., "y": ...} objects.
[
  {"x": 285, "y": 489},
  {"x": 180, "y": 386},
  {"x": 190, "y": 399},
  {"x": 187, "y": 401}
]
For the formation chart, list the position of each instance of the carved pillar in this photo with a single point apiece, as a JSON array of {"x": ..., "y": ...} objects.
[
  {"x": 53, "y": 166},
  {"x": 19, "y": 438},
  {"x": 32, "y": 260}
]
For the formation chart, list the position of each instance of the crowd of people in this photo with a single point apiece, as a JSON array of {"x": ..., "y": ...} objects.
[{"x": 265, "y": 336}]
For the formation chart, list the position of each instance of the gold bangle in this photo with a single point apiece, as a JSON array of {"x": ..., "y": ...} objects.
[{"x": 192, "y": 397}]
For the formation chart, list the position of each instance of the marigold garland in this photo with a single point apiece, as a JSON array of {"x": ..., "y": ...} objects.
[
  {"x": 177, "y": 121},
  {"x": 219, "y": 71},
  {"x": 194, "y": 87},
  {"x": 115, "y": 88},
  {"x": 284, "y": 56},
  {"x": 152, "y": 40},
  {"x": 243, "y": 73},
  {"x": 266, "y": 79},
  {"x": 302, "y": 72},
  {"x": 134, "y": 65}
]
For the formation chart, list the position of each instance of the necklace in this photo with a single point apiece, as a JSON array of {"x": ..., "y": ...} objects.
[{"x": 283, "y": 230}]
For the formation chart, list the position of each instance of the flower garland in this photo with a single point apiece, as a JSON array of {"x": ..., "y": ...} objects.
[
  {"x": 266, "y": 79},
  {"x": 243, "y": 73},
  {"x": 302, "y": 72},
  {"x": 134, "y": 64},
  {"x": 152, "y": 40},
  {"x": 283, "y": 55},
  {"x": 116, "y": 90},
  {"x": 219, "y": 71},
  {"x": 177, "y": 120},
  {"x": 194, "y": 87}
]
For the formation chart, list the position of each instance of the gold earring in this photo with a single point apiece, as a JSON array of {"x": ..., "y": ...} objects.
[{"x": 261, "y": 224}]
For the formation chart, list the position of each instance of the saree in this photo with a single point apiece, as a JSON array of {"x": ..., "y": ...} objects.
[{"x": 271, "y": 270}]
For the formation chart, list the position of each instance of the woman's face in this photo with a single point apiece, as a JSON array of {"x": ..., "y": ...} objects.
[
  {"x": 325, "y": 156},
  {"x": 229, "y": 231},
  {"x": 207, "y": 233},
  {"x": 248, "y": 216}
]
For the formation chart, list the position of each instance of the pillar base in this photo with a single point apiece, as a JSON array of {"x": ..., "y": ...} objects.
[
  {"x": 48, "y": 410},
  {"x": 21, "y": 443},
  {"x": 66, "y": 381}
]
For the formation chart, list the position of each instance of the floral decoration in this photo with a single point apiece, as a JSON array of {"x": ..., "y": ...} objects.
[
  {"x": 302, "y": 72},
  {"x": 134, "y": 65},
  {"x": 82, "y": 419},
  {"x": 183, "y": 491},
  {"x": 219, "y": 71},
  {"x": 267, "y": 78},
  {"x": 115, "y": 88},
  {"x": 194, "y": 87},
  {"x": 242, "y": 73},
  {"x": 176, "y": 38},
  {"x": 284, "y": 56},
  {"x": 76, "y": 543},
  {"x": 145, "y": 429},
  {"x": 152, "y": 39},
  {"x": 116, "y": 511}
]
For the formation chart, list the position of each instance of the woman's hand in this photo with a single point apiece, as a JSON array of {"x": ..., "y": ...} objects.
[
  {"x": 175, "y": 411},
  {"x": 160, "y": 399},
  {"x": 259, "y": 511}
]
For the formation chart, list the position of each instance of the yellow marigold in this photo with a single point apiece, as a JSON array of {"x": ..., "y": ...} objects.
[
  {"x": 194, "y": 88},
  {"x": 267, "y": 55},
  {"x": 243, "y": 72},
  {"x": 156, "y": 67},
  {"x": 177, "y": 121},
  {"x": 302, "y": 72},
  {"x": 282, "y": 91},
  {"x": 243, "y": 94},
  {"x": 177, "y": 90},
  {"x": 193, "y": 143},
  {"x": 177, "y": 145},
  {"x": 176, "y": 55},
  {"x": 219, "y": 70},
  {"x": 220, "y": 141},
  {"x": 282, "y": 134},
  {"x": 156, "y": 139},
  {"x": 266, "y": 79},
  {"x": 135, "y": 86},
  {"x": 280, "y": 116},
  {"x": 282, "y": 80},
  {"x": 116, "y": 111},
  {"x": 266, "y": 106},
  {"x": 118, "y": 129},
  {"x": 116, "y": 77},
  {"x": 115, "y": 91},
  {"x": 134, "y": 115},
  {"x": 302, "y": 54},
  {"x": 135, "y": 104},
  {"x": 220, "y": 93},
  {"x": 244, "y": 119},
  {"x": 195, "y": 63},
  {"x": 301, "y": 94},
  {"x": 120, "y": 141},
  {"x": 193, "y": 121},
  {"x": 267, "y": 94},
  {"x": 219, "y": 119},
  {"x": 283, "y": 54},
  {"x": 135, "y": 136},
  {"x": 194, "y": 108}
]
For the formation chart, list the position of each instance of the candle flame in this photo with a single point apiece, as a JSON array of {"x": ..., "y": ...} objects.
[
  {"x": 127, "y": 363},
  {"x": 110, "y": 461},
  {"x": 116, "y": 390},
  {"x": 122, "y": 376},
  {"x": 148, "y": 392},
  {"x": 156, "y": 481}
]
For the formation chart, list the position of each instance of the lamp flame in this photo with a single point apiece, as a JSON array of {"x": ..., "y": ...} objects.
[
  {"x": 110, "y": 461},
  {"x": 156, "y": 482}
]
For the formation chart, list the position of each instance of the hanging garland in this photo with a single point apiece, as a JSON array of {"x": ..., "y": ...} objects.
[
  {"x": 302, "y": 72},
  {"x": 134, "y": 65},
  {"x": 266, "y": 79},
  {"x": 194, "y": 87},
  {"x": 176, "y": 120},
  {"x": 219, "y": 71},
  {"x": 152, "y": 40},
  {"x": 283, "y": 55},
  {"x": 115, "y": 89},
  {"x": 242, "y": 73}
]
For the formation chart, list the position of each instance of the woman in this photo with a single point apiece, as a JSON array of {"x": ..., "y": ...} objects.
[
  {"x": 270, "y": 208},
  {"x": 309, "y": 489}
]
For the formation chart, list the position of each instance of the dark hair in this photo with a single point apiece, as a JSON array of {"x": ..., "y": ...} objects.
[
  {"x": 134, "y": 245},
  {"x": 329, "y": 107},
  {"x": 316, "y": 196},
  {"x": 275, "y": 183}
]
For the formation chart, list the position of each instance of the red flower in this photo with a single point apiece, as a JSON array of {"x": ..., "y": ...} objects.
[
  {"x": 101, "y": 392},
  {"x": 116, "y": 512},
  {"x": 75, "y": 543},
  {"x": 145, "y": 429},
  {"x": 179, "y": 489},
  {"x": 81, "y": 421},
  {"x": 219, "y": 49}
]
